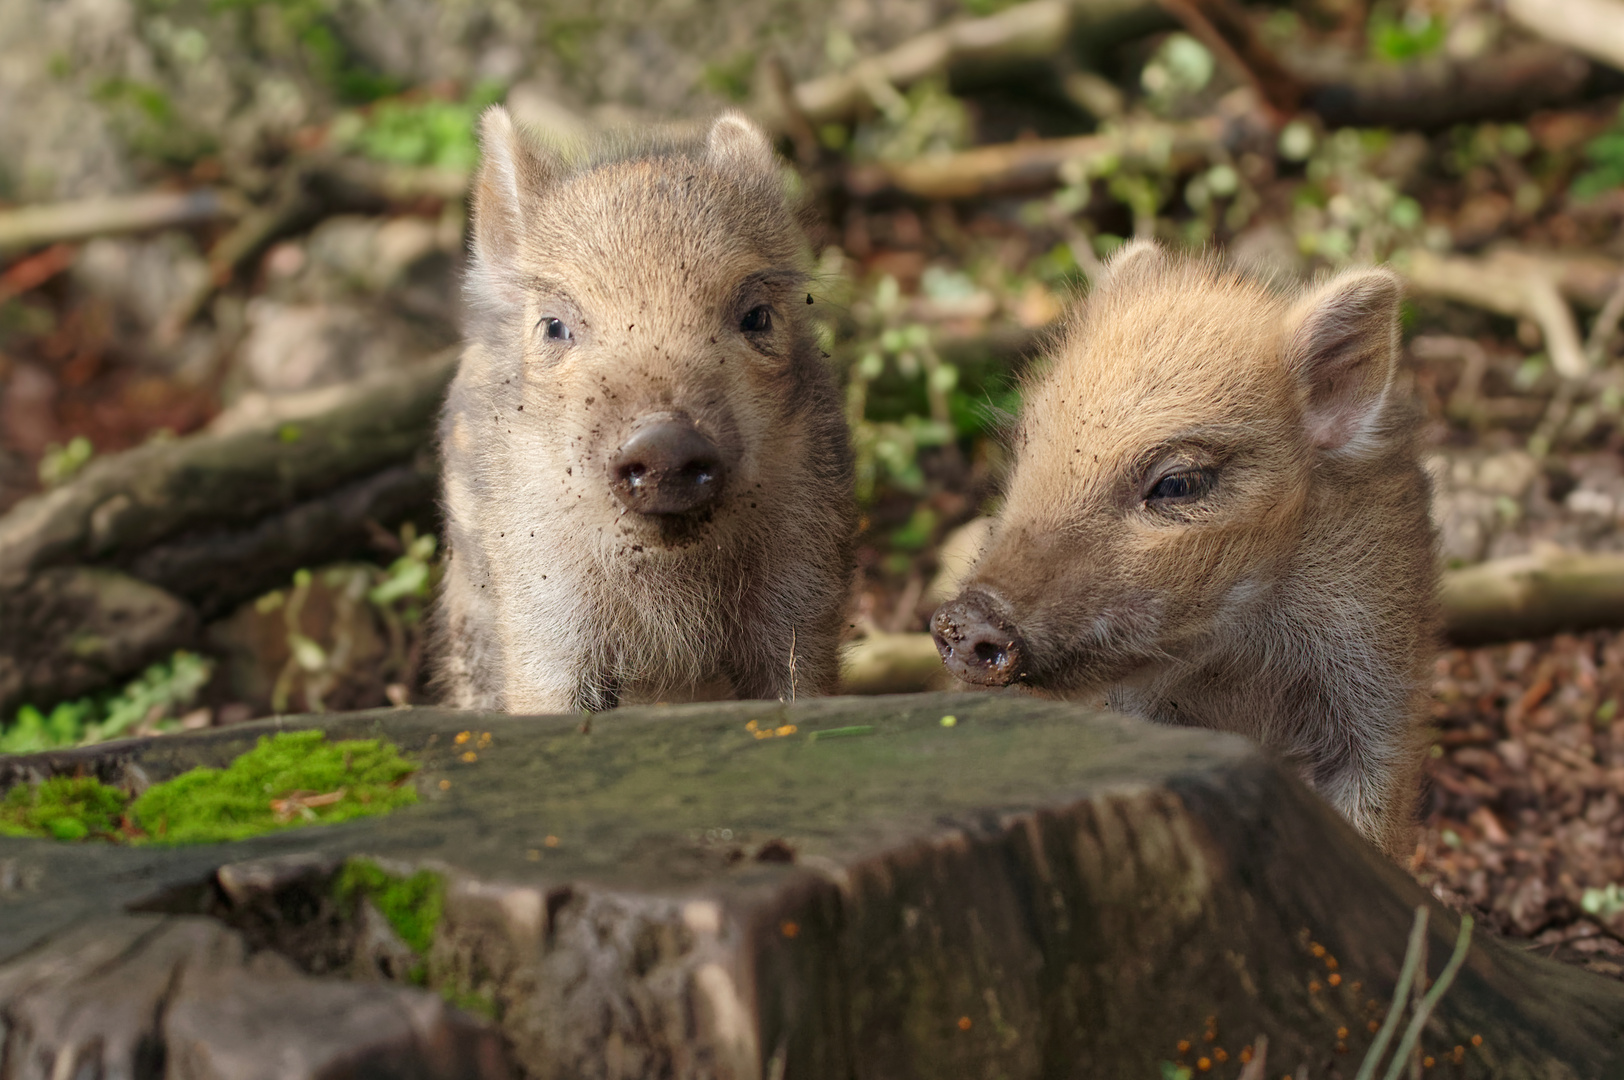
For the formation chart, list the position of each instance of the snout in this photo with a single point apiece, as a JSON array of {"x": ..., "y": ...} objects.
[
  {"x": 668, "y": 466},
  {"x": 978, "y": 644}
]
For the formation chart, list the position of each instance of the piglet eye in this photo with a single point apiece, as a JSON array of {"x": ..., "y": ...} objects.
[
  {"x": 757, "y": 320},
  {"x": 555, "y": 329},
  {"x": 1181, "y": 486}
]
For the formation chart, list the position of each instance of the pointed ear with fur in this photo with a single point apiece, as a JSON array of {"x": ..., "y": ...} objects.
[
  {"x": 737, "y": 145},
  {"x": 1343, "y": 350},
  {"x": 1131, "y": 258},
  {"x": 512, "y": 172}
]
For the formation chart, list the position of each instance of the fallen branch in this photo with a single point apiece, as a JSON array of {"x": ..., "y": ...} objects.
[
  {"x": 1037, "y": 163},
  {"x": 1438, "y": 92},
  {"x": 1517, "y": 288},
  {"x": 892, "y": 664},
  {"x": 1528, "y": 596},
  {"x": 1026, "y": 31},
  {"x": 32, "y": 226},
  {"x": 1592, "y": 27}
]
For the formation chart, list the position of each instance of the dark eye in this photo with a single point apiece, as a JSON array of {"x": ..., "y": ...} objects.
[
  {"x": 1181, "y": 486},
  {"x": 757, "y": 320},
  {"x": 556, "y": 330}
]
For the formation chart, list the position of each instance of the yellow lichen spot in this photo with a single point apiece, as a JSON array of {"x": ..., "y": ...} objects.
[
  {"x": 1334, "y": 979},
  {"x": 1203, "y": 1063},
  {"x": 534, "y": 854},
  {"x": 1342, "y": 1033},
  {"x": 964, "y": 1023},
  {"x": 949, "y": 721},
  {"x": 1373, "y": 1027},
  {"x": 1220, "y": 1055},
  {"x": 1246, "y": 1055},
  {"x": 1184, "y": 1046},
  {"x": 789, "y": 929},
  {"x": 1317, "y": 949},
  {"x": 751, "y": 726},
  {"x": 469, "y": 756},
  {"x": 1458, "y": 1054},
  {"x": 1330, "y": 963},
  {"x": 463, "y": 736},
  {"x": 1428, "y": 1062},
  {"x": 551, "y": 841},
  {"x": 445, "y": 785},
  {"x": 787, "y": 729},
  {"x": 484, "y": 739},
  {"x": 1477, "y": 1040},
  {"x": 1314, "y": 986},
  {"x": 764, "y": 734}
]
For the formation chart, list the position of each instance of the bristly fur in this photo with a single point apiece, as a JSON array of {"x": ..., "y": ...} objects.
[
  {"x": 556, "y": 598},
  {"x": 1296, "y": 601}
]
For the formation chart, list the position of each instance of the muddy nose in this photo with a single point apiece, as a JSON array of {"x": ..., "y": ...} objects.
[
  {"x": 977, "y": 643},
  {"x": 667, "y": 467}
]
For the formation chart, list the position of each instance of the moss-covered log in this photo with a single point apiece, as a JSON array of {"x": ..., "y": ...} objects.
[
  {"x": 127, "y": 503},
  {"x": 852, "y": 888}
]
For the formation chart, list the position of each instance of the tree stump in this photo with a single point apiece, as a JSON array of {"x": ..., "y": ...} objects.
[{"x": 836, "y": 888}]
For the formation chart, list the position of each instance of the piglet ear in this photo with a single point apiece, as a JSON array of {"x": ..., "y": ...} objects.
[
  {"x": 739, "y": 146},
  {"x": 1131, "y": 260},
  {"x": 1343, "y": 350},
  {"x": 512, "y": 173}
]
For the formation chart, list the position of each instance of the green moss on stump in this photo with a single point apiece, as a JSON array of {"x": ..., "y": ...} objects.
[
  {"x": 412, "y": 905},
  {"x": 287, "y": 780},
  {"x": 290, "y": 779},
  {"x": 63, "y": 808}
]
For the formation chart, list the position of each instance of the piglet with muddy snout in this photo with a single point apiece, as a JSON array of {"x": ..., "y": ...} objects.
[
  {"x": 1217, "y": 517},
  {"x": 647, "y": 473}
]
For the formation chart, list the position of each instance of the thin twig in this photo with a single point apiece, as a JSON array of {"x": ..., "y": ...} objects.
[
  {"x": 1258, "y": 1066},
  {"x": 1412, "y": 1034},
  {"x": 30, "y": 226},
  {"x": 1401, "y": 992},
  {"x": 1605, "y": 328}
]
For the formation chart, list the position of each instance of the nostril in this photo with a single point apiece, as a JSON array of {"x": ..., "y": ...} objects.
[
  {"x": 667, "y": 466},
  {"x": 977, "y": 643}
]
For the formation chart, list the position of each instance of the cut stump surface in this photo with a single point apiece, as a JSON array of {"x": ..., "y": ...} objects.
[{"x": 838, "y": 888}]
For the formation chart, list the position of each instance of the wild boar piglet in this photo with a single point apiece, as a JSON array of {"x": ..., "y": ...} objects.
[
  {"x": 647, "y": 473},
  {"x": 1217, "y": 517}
]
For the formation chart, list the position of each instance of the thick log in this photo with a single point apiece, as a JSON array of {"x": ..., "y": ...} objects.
[
  {"x": 124, "y": 504},
  {"x": 1435, "y": 93},
  {"x": 1530, "y": 596},
  {"x": 1032, "y": 891},
  {"x": 217, "y": 568},
  {"x": 72, "y": 630}
]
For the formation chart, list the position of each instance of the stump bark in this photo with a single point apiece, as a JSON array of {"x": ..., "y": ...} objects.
[{"x": 1035, "y": 890}]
